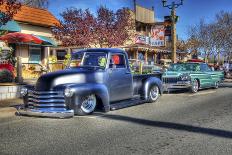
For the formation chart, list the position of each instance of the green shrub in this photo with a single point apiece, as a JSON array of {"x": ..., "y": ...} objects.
[{"x": 6, "y": 76}]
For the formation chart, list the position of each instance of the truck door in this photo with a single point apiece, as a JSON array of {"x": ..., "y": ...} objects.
[{"x": 120, "y": 78}]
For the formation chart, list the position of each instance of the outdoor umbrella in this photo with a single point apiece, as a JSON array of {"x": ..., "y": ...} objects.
[{"x": 18, "y": 37}]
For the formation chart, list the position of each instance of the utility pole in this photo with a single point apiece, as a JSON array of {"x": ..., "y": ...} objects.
[{"x": 173, "y": 7}]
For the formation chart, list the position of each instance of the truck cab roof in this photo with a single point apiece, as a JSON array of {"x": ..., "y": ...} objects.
[{"x": 105, "y": 50}]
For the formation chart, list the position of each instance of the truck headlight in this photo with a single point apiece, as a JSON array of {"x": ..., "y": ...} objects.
[
  {"x": 68, "y": 92},
  {"x": 23, "y": 91}
]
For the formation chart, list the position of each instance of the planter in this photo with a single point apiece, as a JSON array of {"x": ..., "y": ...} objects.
[{"x": 9, "y": 91}]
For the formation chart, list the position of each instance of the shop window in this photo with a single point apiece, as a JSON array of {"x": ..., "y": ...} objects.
[
  {"x": 34, "y": 54},
  {"x": 60, "y": 54}
]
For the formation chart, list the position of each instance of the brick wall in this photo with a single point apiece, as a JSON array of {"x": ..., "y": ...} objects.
[{"x": 9, "y": 92}]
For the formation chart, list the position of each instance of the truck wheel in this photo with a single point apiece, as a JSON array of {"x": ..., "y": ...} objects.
[
  {"x": 153, "y": 94},
  {"x": 87, "y": 106},
  {"x": 195, "y": 86}
]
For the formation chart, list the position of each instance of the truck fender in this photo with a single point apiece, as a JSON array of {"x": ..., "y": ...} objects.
[
  {"x": 99, "y": 90},
  {"x": 150, "y": 82}
]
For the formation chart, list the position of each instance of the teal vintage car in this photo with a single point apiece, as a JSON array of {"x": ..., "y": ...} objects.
[{"x": 192, "y": 76}]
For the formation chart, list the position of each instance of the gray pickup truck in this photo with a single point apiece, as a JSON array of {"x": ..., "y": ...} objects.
[{"x": 102, "y": 80}]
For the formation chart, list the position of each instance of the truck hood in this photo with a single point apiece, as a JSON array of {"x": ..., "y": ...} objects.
[{"x": 50, "y": 81}]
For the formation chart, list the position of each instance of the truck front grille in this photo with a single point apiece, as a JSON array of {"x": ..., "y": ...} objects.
[
  {"x": 170, "y": 79},
  {"x": 46, "y": 99}
]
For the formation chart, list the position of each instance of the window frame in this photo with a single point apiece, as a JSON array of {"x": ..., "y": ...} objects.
[
  {"x": 29, "y": 53},
  {"x": 125, "y": 64}
]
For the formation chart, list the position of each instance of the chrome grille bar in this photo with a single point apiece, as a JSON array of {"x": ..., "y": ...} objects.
[
  {"x": 46, "y": 99},
  {"x": 170, "y": 79}
]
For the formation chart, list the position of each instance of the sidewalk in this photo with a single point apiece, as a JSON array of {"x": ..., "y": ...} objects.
[
  {"x": 8, "y": 108},
  {"x": 228, "y": 80},
  {"x": 11, "y": 103}
]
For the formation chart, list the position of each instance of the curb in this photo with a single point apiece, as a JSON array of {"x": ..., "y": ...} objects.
[{"x": 7, "y": 112}]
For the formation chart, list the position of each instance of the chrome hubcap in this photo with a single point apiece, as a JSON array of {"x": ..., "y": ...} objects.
[
  {"x": 195, "y": 86},
  {"x": 216, "y": 85},
  {"x": 89, "y": 103},
  {"x": 154, "y": 93}
]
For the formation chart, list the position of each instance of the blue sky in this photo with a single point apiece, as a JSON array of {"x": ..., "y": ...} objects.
[{"x": 190, "y": 13}]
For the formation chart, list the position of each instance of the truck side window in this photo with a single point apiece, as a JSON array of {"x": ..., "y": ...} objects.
[{"x": 118, "y": 60}]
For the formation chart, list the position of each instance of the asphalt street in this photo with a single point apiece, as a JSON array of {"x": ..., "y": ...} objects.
[{"x": 178, "y": 123}]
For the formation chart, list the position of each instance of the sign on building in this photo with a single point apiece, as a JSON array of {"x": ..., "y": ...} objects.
[
  {"x": 139, "y": 39},
  {"x": 144, "y": 40},
  {"x": 157, "y": 35}
]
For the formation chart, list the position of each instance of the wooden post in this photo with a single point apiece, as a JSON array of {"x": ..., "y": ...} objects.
[
  {"x": 145, "y": 56},
  {"x": 137, "y": 54},
  {"x": 19, "y": 78},
  {"x": 140, "y": 67},
  {"x": 48, "y": 55},
  {"x": 155, "y": 56}
]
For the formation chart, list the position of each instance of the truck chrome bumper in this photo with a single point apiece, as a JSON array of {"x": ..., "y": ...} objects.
[{"x": 47, "y": 113}]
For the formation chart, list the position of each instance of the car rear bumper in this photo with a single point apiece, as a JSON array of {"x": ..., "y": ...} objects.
[{"x": 47, "y": 113}]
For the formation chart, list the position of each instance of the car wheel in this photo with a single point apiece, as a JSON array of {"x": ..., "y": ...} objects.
[
  {"x": 153, "y": 94},
  {"x": 87, "y": 105},
  {"x": 216, "y": 85},
  {"x": 195, "y": 86}
]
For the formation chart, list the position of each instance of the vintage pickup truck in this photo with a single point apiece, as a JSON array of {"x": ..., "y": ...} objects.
[
  {"x": 192, "y": 76},
  {"x": 103, "y": 80}
]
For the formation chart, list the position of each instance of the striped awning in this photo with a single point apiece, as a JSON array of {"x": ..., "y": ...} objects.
[
  {"x": 11, "y": 26},
  {"x": 47, "y": 41}
]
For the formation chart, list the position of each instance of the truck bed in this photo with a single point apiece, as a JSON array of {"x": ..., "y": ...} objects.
[{"x": 139, "y": 79}]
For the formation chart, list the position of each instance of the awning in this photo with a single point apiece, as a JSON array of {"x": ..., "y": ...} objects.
[
  {"x": 47, "y": 41},
  {"x": 22, "y": 38},
  {"x": 12, "y": 26}
]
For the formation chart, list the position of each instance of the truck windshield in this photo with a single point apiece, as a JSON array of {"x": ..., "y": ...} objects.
[
  {"x": 96, "y": 59},
  {"x": 184, "y": 67}
]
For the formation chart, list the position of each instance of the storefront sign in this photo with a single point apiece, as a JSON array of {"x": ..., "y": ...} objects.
[
  {"x": 149, "y": 41},
  {"x": 154, "y": 42},
  {"x": 157, "y": 35},
  {"x": 142, "y": 40}
]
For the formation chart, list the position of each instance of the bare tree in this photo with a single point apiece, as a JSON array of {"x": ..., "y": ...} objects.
[
  {"x": 213, "y": 38},
  {"x": 37, "y": 3},
  {"x": 8, "y": 8}
]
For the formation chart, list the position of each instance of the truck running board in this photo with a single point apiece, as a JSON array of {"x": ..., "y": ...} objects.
[{"x": 126, "y": 103}]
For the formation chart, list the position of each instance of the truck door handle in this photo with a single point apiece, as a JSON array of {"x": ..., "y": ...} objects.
[{"x": 128, "y": 72}]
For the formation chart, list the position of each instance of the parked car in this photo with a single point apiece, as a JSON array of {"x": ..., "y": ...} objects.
[
  {"x": 192, "y": 76},
  {"x": 165, "y": 62},
  {"x": 228, "y": 70},
  {"x": 103, "y": 79}
]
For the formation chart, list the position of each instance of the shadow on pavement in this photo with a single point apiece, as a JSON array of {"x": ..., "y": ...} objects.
[
  {"x": 225, "y": 85},
  {"x": 174, "y": 126}
]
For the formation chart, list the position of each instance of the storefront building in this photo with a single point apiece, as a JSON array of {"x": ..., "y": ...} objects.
[
  {"x": 33, "y": 21},
  {"x": 149, "y": 43}
]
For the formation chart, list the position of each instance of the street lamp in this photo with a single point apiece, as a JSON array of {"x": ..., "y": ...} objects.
[{"x": 173, "y": 7}]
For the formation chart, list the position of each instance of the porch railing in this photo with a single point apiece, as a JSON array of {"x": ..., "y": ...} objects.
[
  {"x": 56, "y": 66},
  {"x": 32, "y": 70},
  {"x": 35, "y": 70}
]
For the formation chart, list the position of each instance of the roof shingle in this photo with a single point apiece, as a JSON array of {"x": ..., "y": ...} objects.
[{"x": 36, "y": 16}]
